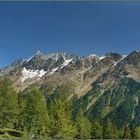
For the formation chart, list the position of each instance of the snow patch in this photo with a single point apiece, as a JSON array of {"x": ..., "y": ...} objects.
[
  {"x": 123, "y": 56},
  {"x": 53, "y": 56},
  {"x": 32, "y": 73},
  {"x": 38, "y": 52},
  {"x": 66, "y": 63},
  {"x": 92, "y": 55},
  {"x": 137, "y": 100},
  {"x": 101, "y": 57},
  {"x": 41, "y": 73},
  {"x": 53, "y": 70}
]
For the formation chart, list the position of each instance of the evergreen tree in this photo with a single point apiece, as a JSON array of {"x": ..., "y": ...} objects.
[
  {"x": 126, "y": 132},
  {"x": 137, "y": 132},
  {"x": 133, "y": 131},
  {"x": 96, "y": 130},
  {"x": 61, "y": 125},
  {"x": 8, "y": 104},
  {"x": 35, "y": 114},
  {"x": 21, "y": 105},
  {"x": 110, "y": 130},
  {"x": 83, "y": 126}
]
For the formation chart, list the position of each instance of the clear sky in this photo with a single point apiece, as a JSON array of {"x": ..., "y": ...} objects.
[{"x": 75, "y": 27}]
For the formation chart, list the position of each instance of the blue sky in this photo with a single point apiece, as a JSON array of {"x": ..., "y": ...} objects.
[{"x": 75, "y": 27}]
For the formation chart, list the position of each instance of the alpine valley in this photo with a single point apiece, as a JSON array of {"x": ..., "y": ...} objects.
[{"x": 104, "y": 87}]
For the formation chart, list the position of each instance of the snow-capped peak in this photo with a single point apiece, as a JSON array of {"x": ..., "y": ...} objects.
[
  {"x": 92, "y": 55},
  {"x": 37, "y": 53},
  {"x": 123, "y": 56},
  {"x": 137, "y": 51},
  {"x": 101, "y": 57}
]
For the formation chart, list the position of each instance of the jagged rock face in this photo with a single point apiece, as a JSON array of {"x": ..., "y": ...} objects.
[
  {"x": 40, "y": 61},
  {"x": 104, "y": 85},
  {"x": 133, "y": 58},
  {"x": 114, "y": 56},
  {"x": 127, "y": 67},
  {"x": 12, "y": 66},
  {"x": 90, "y": 69},
  {"x": 81, "y": 71}
]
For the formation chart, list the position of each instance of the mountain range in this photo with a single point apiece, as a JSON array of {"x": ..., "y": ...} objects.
[{"x": 103, "y": 86}]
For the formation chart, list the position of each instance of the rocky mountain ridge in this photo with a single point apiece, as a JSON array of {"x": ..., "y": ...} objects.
[
  {"x": 102, "y": 85},
  {"x": 40, "y": 65}
]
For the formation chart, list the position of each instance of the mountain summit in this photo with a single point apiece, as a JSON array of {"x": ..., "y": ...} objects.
[{"x": 102, "y": 86}]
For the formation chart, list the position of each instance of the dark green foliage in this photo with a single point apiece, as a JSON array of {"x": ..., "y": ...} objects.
[
  {"x": 15, "y": 133},
  {"x": 101, "y": 107},
  {"x": 27, "y": 114},
  {"x": 84, "y": 101},
  {"x": 11, "y": 132},
  {"x": 83, "y": 126},
  {"x": 117, "y": 96},
  {"x": 123, "y": 114},
  {"x": 119, "y": 102}
]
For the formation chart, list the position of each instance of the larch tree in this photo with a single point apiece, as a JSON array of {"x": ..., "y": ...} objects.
[
  {"x": 61, "y": 124},
  {"x": 83, "y": 126},
  {"x": 8, "y": 105},
  {"x": 36, "y": 118}
]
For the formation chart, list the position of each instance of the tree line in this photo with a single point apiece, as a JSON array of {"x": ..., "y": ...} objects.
[{"x": 29, "y": 114}]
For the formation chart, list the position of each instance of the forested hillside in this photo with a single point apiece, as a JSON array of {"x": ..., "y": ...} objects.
[{"x": 31, "y": 115}]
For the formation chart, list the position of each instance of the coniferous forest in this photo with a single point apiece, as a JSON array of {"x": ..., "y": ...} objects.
[{"x": 31, "y": 115}]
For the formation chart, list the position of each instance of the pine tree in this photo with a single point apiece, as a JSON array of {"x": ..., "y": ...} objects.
[
  {"x": 126, "y": 133},
  {"x": 8, "y": 104},
  {"x": 137, "y": 133},
  {"x": 96, "y": 130},
  {"x": 110, "y": 130},
  {"x": 61, "y": 125},
  {"x": 35, "y": 114},
  {"x": 83, "y": 126}
]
